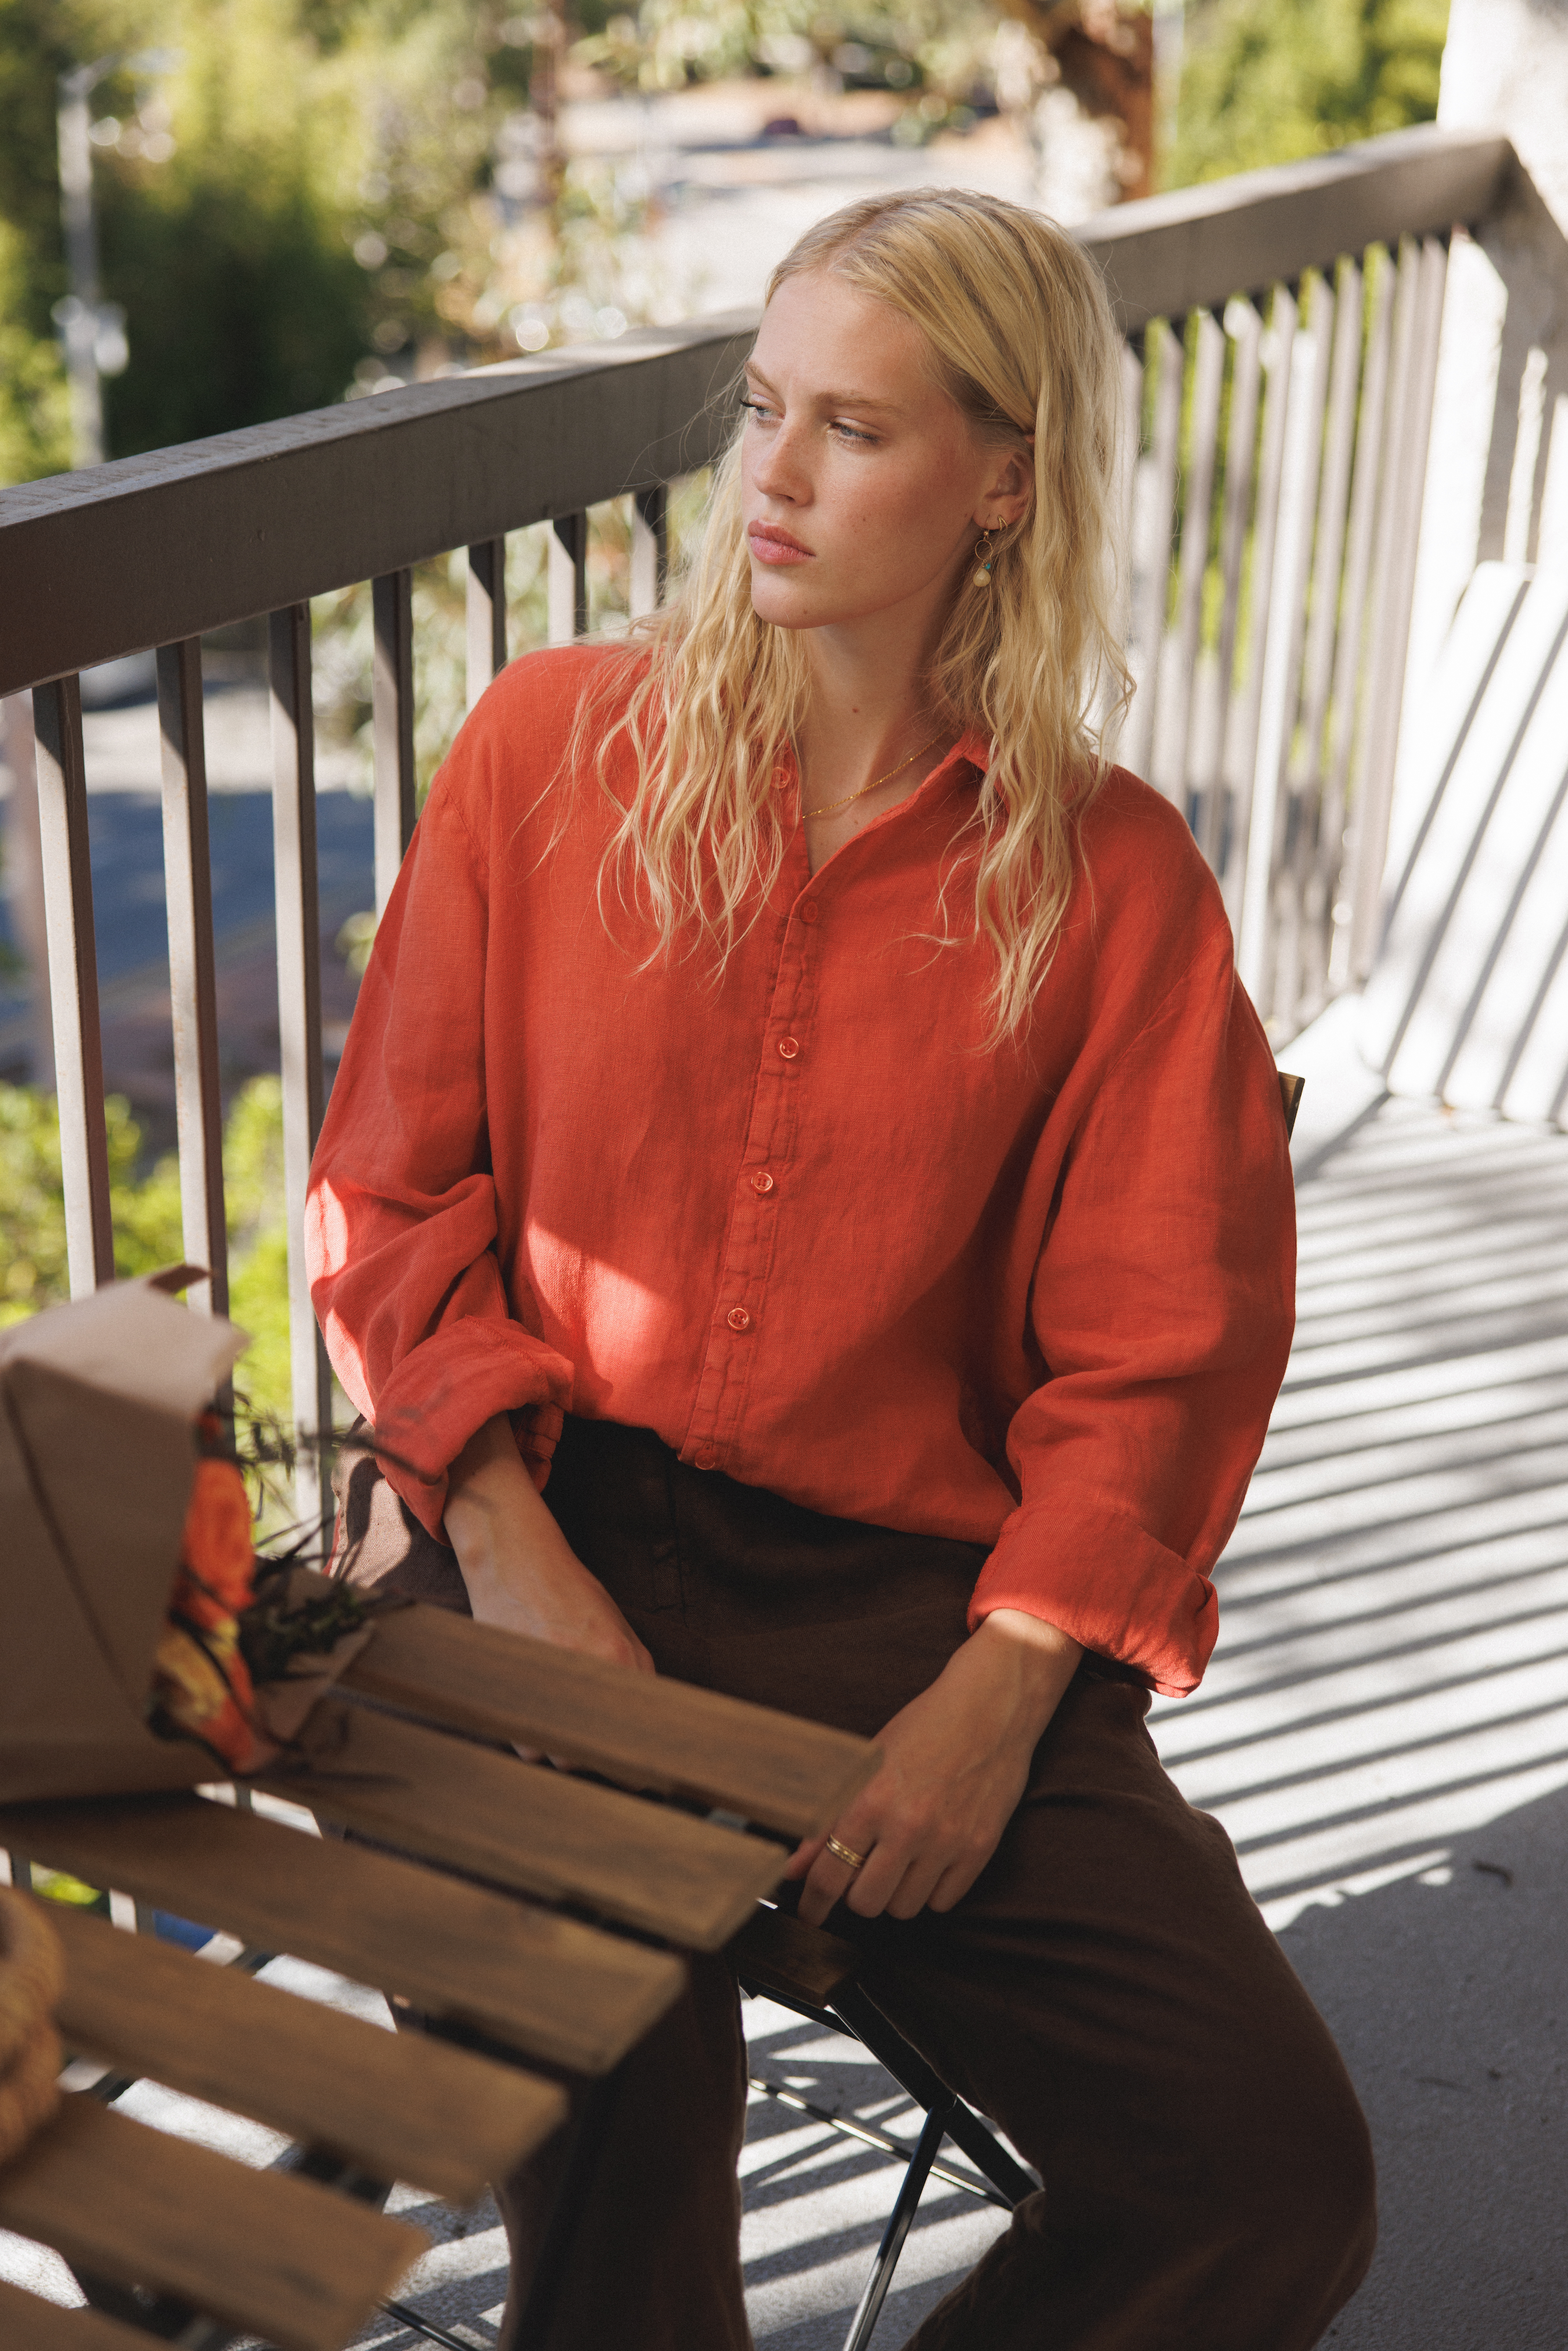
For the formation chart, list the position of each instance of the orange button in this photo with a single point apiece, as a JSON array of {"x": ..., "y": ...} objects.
[
  {"x": 739, "y": 1318},
  {"x": 810, "y": 912},
  {"x": 705, "y": 1458},
  {"x": 762, "y": 1181},
  {"x": 789, "y": 1047}
]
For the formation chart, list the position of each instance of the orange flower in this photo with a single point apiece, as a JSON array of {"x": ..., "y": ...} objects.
[
  {"x": 217, "y": 1547},
  {"x": 202, "y": 1683}
]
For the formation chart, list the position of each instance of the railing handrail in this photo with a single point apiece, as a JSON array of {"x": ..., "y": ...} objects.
[
  {"x": 252, "y": 521},
  {"x": 153, "y": 550},
  {"x": 1195, "y": 247}
]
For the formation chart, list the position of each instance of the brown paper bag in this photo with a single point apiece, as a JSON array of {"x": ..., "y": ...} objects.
[{"x": 97, "y": 1453}]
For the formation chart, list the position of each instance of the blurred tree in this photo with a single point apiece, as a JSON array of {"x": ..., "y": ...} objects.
[
  {"x": 1270, "y": 81},
  {"x": 35, "y": 409},
  {"x": 932, "y": 53},
  {"x": 1104, "y": 54},
  {"x": 148, "y": 1230},
  {"x": 270, "y": 212}
]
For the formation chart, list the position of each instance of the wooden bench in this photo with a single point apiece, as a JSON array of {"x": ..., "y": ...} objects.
[{"x": 278, "y": 2253}]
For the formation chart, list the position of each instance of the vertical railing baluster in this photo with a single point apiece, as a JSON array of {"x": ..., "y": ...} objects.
[
  {"x": 486, "y": 614},
  {"x": 73, "y": 983},
  {"x": 1151, "y": 543},
  {"x": 567, "y": 585},
  {"x": 298, "y": 919},
  {"x": 1245, "y": 330},
  {"x": 1197, "y": 500},
  {"x": 1365, "y": 778},
  {"x": 1258, "y": 931},
  {"x": 1414, "y": 379},
  {"x": 1281, "y": 341},
  {"x": 192, "y": 983},
  {"x": 1346, "y": 698},
  {"x": 650, "y": 549},
  {"x": 1317, "y": 859},
  {"x": 392, "y": 724},
  {"x": 1130, "y": 427}
]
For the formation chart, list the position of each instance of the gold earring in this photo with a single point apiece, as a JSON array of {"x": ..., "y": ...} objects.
[{"x": 983, "y": 560}]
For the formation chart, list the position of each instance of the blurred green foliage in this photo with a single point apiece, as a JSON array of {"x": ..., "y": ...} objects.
[
  {"x": 936, "y": 54},
  {"x": 1275, "y": 82},
  {"x": 147, "y": 1222},
  {"x": 321, "y": 194},
  {"x": 268, "y": 209}
]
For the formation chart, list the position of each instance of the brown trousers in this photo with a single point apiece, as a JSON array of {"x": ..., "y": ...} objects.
[{"x": 1106, "y": 1992}]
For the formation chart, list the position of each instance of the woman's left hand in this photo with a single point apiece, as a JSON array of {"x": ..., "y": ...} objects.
[{"x": 955, "y": 1763}]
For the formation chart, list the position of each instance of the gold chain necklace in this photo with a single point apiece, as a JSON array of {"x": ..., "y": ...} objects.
[{"x": 830, "y": 808}]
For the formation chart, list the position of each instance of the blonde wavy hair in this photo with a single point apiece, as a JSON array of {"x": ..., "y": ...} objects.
[{"x": 1021, "y": 337}]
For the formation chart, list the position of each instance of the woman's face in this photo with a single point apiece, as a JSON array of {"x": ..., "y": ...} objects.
[{"x": 863, "y": 486}]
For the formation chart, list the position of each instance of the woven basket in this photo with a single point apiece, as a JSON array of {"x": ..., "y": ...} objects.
[{"x": 32, "y": 1977}]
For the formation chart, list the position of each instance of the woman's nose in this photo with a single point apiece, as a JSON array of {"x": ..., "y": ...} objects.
[{"x": 777, "y": 468}]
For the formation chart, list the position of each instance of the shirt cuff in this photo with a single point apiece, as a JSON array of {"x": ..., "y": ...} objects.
[
  {"x": 450, "y": 1385},
  {"x": 1098, "y": 1576}
]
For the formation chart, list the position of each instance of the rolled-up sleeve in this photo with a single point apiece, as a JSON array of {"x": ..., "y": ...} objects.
[
  {"x": 402, "y": 1222},
  {"x": 1163, "y": 1306}
]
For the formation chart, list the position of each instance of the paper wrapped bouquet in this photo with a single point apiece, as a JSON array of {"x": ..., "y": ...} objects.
[{"x": 137, "y": 1649}]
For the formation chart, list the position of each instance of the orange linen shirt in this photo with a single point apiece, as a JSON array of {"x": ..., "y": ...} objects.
[{"x": 806, "y": 1222}]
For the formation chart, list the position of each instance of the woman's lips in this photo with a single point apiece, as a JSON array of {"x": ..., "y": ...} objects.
[{"x": 776, "y": 547}]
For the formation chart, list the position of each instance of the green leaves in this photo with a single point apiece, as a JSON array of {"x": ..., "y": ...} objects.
[{"x": 1273, "y": 81}]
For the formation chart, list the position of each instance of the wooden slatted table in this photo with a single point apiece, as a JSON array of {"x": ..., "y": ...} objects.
[{"x": 281, "y": 2254}]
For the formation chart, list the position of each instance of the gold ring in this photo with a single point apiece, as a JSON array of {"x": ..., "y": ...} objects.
[{"x": 846, "y": 1854}]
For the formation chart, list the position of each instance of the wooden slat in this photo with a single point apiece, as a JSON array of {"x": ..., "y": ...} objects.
[
  {"x": 1290, "y": 865},
  {"x": 1131, "y": 422},
  {"x": 1281, "y": 342},
  {"x": 525, "y": 1826},
  {"x": 781, "y": 1954},
  {"x": 193, "y": 982},
  {"x": 27, "y": 2323},
  {"x": 486, "y": 614},
  {"x": 1287, "y": 606},
  {"x": 545, "y": 1986},
  {"x": 646, "y": 1732},
  {"x": 1245, "y": 330},
  {"x": 1156, "y": 513},
  {"x": 1415, "y": 380},
  {"x": 1320, "y": 846},
  {"x": 650, "y": 549},
  {"x": 1198, "y": 499},
  {"x": 391, "y": 708},
  {"x": 401, "y": 2105},
  {"x": 1328, "y": 558},
  {"x": 262, "y": 2249},
  {"x": 299, "y": 919},
  {"x": 567, "y": 585},
  {"x": 1345, "y": 700},
  {"x": 73, "y": 982},
  {"x": 1365, "y": 883}
]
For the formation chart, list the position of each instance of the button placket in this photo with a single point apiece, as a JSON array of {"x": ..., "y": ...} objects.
[{"x": 766, "y": 1153}]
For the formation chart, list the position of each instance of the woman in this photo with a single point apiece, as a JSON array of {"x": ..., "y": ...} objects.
[{"x": 791, "y": 1055}]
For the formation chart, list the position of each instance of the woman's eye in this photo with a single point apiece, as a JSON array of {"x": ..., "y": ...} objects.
[
  {"x": 853, "y": 433},
  {"x": 758, "y": 409}
]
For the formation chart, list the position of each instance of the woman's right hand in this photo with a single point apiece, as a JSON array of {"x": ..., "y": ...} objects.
[{"x": 520, "y": 1571}]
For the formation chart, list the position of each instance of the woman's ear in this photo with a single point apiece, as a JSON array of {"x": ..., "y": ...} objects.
[{"x": 1011, "y": 491}]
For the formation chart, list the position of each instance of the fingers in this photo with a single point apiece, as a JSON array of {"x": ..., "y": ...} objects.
[
  {"x": 804, "y": 1855},
  {"x": 827, "y": 1881}
]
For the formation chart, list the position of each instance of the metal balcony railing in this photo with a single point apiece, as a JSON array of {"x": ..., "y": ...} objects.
[{"x": 1282, "y": 333}]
